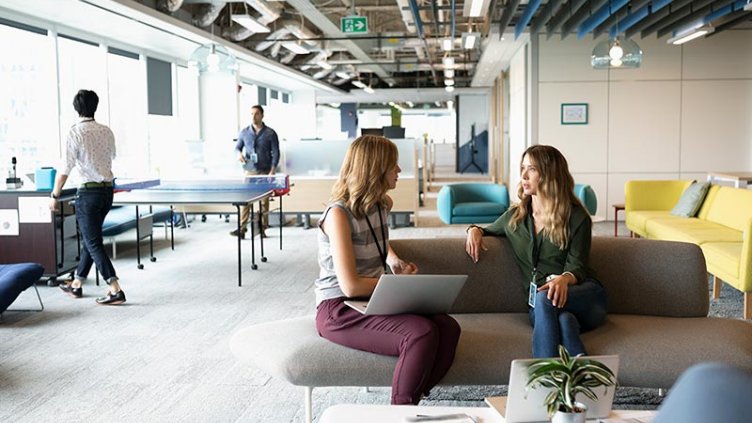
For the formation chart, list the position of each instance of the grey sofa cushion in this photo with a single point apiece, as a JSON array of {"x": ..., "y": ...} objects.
[
  {"x": 653, "y": 350},
  {"x": 691, "y": 200}
]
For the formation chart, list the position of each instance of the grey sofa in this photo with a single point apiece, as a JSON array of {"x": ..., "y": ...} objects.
[{"x": 657, "y": 323}]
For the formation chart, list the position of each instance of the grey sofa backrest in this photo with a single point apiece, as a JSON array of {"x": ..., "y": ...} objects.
[
  {"x": 657, "y": 278},
  {"x": 649, "y": 277}
]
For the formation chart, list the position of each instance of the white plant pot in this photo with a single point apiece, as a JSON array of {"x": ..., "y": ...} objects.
[{"x": 562, "y": 417}]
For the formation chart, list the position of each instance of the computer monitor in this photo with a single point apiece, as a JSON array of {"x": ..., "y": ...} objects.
[
  {"x": 372, "y": 131},
  {"x": 394, "y": 132}
]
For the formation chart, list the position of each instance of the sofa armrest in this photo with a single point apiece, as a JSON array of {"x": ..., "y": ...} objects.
[
  {"x": 745, "y": 262},
  {"x": 653, "y": 195},
  {"x": 444, "y": 203}
]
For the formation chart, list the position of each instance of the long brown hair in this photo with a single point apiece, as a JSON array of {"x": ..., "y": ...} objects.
[
  {"x": 555, "y": 190},
  {"x": 362, "y": 182}
]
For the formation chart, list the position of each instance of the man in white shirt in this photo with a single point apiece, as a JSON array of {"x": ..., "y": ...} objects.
[{"x": 90, "y": 147}]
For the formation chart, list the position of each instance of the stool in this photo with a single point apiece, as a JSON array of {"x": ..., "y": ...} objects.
[
  {"x": 14, "y": 279},
  {"x": 617, "y": 208}
]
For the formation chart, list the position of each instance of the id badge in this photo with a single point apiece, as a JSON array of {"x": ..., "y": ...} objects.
[
  {"x": 531, "y": 294},
  {"x": 254, "y": 158}
]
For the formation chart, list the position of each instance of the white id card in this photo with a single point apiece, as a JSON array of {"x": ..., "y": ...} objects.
[
  {"x": 531, "y": 294},
  {"x": 254, "y": 158}
]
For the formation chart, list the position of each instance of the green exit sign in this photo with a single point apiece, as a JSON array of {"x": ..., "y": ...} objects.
[{"x": 354, "y": 25}]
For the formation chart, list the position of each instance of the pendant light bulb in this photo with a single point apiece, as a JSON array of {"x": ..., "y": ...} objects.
[{"x": 616, "y": 52}]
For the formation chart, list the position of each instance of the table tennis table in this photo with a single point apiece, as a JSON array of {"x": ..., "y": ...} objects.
[{"x": 237, "y": 193}]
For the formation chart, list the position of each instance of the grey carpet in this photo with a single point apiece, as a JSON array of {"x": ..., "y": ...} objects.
[{"x": 164, "y": 355}]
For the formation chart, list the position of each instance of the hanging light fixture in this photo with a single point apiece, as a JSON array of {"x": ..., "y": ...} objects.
[
  {"x": 213, "y": 58},
  {"x": 616, "y": 53}
]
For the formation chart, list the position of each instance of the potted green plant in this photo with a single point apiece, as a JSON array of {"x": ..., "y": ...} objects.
[{"x": 568, "y": 377}]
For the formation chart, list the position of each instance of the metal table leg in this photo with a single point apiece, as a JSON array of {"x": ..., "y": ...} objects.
[{"x": 240, "y": 282}]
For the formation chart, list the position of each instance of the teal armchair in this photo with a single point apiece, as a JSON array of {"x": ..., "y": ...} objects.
[
  {"x": 587, "y": 196},
  {"x": 472, "y": 202}
]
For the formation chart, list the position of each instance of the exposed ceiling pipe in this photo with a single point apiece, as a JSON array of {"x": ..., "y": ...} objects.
[
  {"x": 419, "y": 27},
  {"x": 169, "y": 6},
  {"x": 326, "y": 26},
  {"x": 407, "y": 16},
  {"x": 206, "y": 14},
  {"x": 435, "y": 11}
]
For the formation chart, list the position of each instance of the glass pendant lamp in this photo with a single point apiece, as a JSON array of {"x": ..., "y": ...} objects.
[{"x": 616, "y": 53}]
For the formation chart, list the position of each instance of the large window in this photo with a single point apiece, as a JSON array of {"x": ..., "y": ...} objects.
[
  {"x": 28, "y": 110},
  {"x": 127, "y": 91}
]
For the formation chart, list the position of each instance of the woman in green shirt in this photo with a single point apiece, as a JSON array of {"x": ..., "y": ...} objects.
[{"x": 549, "y": 231}]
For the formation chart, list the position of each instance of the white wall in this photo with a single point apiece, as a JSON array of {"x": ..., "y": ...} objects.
[
  {"x": 685, "y": 112},
  {"x": 518, "y": 134}
]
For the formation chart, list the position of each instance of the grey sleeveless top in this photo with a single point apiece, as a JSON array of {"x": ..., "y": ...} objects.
[{"x": 367, "y": 260}]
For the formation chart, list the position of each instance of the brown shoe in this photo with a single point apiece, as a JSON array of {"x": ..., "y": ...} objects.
[{"x": 242, "y": 233}]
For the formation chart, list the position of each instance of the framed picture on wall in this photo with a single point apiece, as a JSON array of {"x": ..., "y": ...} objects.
[{"x": 574, "y": 113}]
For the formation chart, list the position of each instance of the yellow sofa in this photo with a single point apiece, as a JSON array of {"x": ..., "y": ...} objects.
[{"x": 722, "y": 228}]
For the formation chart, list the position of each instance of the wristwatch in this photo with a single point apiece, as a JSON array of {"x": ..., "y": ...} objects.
[
  {"x": 474, "y": 226},
  {"x": 52, "y": 195}
]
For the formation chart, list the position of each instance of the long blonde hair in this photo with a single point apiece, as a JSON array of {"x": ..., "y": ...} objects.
[
  {"x": 555, "y": 190},
  {"x": 362, "y": 182}
]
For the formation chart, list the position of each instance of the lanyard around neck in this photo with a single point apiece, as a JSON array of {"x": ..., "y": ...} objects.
[
  {"x": 536, "y": 246},
  {"x": 382, "y": 253}
]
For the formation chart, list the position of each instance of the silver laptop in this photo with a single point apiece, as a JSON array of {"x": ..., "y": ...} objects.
[
  {"x": 526, "y": 406},
  {"x": 416, "y": 294}
]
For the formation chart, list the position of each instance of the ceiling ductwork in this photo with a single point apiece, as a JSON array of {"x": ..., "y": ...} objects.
[
  {"x": 169, "y": 6},
  {"x": 207, "y": 14},
  {"x": 270, "y": 12},
  {"x": 272, "y": 39}
]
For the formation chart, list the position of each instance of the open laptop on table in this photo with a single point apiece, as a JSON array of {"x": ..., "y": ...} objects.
[
  {"x": 521, "y": 406},
  {"x": 417, "y": 294}
]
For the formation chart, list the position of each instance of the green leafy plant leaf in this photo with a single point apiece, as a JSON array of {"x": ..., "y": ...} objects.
[{"x": 568, "y": 377}]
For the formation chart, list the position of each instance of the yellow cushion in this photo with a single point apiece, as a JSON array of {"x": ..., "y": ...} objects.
[
  {"x": 730, "y": 207},
  {"x": 696, "y": 231},
  {"x": 723, "y": 260},
  {"x": 636, "y": 220}
]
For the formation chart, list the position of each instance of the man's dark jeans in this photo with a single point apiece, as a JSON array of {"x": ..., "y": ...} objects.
[{"x": 92, "y": 205}]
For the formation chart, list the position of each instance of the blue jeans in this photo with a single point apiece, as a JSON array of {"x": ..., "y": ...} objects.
[
  {"x": 92, "y": 205},
  {"x": 584, "y": 310}
]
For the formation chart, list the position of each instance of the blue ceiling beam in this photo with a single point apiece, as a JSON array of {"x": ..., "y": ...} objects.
[
  {"x": 636, "y": 16},
  {"x": 416, "y": 17},
  {"x": 599, "y": 16},
  {"x": 527, "y": 15}
]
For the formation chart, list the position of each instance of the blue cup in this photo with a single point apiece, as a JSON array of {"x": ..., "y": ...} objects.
[{"x": 45, "y": 178}]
